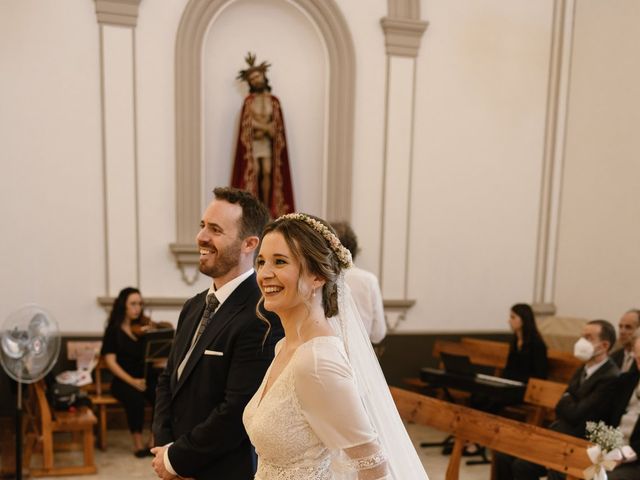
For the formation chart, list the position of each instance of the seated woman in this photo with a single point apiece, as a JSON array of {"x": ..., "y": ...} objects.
[
  {"x": 124, "y": 355},
  {"x": 528, "y": 352},
  {"x": 527, "y": 358}
]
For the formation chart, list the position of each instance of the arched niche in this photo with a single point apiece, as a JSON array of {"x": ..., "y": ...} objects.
[{"x": 194, "y": 24}]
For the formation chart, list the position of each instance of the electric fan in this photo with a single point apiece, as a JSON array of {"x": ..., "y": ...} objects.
[{"x": 29, "y": 347}]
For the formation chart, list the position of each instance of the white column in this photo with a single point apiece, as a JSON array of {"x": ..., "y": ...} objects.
[
  {"x": 397, "y": 176},
  {"x": 117, "y": 20},
  {"x": 403, "y": 31},
  {"x": 553, "y": 159}
]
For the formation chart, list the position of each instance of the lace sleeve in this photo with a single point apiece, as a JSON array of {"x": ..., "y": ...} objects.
[
  {"x": 329, "y": 399},
  {"x": 369, "y": 461}
]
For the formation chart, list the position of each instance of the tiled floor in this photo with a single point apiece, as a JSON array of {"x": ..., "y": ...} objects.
[{"x": 119, "y": 463}]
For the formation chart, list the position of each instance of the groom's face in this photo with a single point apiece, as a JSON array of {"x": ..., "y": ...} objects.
[{"x": 218, "y": 241}]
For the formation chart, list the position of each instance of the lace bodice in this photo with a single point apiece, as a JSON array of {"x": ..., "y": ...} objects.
[{"x": 312, "y": 416}]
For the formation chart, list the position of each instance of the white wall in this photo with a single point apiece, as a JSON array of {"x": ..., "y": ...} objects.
[
  {"x": 599, "y": 233},
  {"x": 481, "y": 90},
  {"x": 51, "y": 200},
  {"x": 480, "y": 115}
]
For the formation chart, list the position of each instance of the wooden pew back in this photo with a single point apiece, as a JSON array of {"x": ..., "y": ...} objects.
[
  {"x": 542, "y": 396},
  {"x": 478, "y": 353},
  {"x": 554, "y": 450},
  {"x": 544, "y": 393},
  {"x": 562, "y": 365},
  {"x": 491, "y": 352}
]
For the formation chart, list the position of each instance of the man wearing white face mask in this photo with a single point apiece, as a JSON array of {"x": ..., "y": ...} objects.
[{"x": 586, "y": 399}]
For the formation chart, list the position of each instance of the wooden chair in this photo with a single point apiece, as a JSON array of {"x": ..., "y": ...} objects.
[
  {"x": 551, "y": 449},
  {"x": 48, "y": 423},
  {"x": 101, "y": 400}
]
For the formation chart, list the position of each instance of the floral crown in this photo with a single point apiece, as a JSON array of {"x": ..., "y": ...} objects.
[{"x": 344, "y": 255}]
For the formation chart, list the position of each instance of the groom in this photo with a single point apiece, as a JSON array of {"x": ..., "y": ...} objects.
[{"x": 219, "y": 355}]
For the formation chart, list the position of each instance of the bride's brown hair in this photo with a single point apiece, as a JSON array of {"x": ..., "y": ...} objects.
[{"x": 314, "y": 252}]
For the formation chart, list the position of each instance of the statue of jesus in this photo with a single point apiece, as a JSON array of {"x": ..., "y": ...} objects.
[{"x": 261, "y": 163}]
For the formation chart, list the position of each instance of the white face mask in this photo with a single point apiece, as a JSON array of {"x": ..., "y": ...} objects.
[{"x": 583, "y": 349}]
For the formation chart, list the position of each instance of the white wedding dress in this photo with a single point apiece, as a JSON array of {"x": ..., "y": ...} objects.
[{"x": 310, "y": 415}]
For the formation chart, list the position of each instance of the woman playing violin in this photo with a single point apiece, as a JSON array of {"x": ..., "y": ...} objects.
[{"x": 123, "y": 352}]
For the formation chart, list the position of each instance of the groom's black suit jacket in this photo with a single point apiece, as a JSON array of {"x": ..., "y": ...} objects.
[{"x": 202, "y": 412}]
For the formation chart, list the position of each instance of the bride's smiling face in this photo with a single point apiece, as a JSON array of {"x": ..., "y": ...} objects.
[{"x": 284, "y": 284}]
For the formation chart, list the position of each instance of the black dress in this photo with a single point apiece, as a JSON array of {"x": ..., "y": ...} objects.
[
  {"x": 529, "y": 361},
  {"x": 130, "y": 356},
  {"x": 522, "y": 364}
]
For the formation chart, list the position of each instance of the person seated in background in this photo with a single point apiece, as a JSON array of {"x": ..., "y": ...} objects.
[
  {"x": 123, "y": 353},
  {"x": 527, "y": 351},
  {"x": 527, "y": 358},
  {"x": 623, "y": 357},
  {"x": 625, "y": 413},
  {"x": 364, "y": 287},
  {"x": 587, "y": 398}
]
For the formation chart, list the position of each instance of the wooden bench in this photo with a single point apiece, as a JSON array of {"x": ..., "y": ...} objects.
[
  {"x": 561, "y": 365},
  {"x": 539, "y": 403},
  {"x": 551, "y": 449},
  {"x": 477, "y": 351},
  {"x": 47, "y": 423},
  {"x": 491, "y": 352},
  {"x": 543, "y": 396},
  {"x": 478, "y": 354}
]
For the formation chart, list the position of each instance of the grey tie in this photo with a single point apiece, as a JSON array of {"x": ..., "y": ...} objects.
[
  {"x": 210, "y": 308},
  {"x": 212, "y": 304}
]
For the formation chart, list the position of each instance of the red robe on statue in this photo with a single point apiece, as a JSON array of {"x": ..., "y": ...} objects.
[{"x": 246, "y": 169}]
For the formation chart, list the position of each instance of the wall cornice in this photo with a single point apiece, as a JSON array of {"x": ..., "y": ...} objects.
[
  {"x": 123, "y": 13},
  {"x": 403, "y": 36}
]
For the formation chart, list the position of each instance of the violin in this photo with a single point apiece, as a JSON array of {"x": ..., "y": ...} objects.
[{"x": 140, "y": 327}]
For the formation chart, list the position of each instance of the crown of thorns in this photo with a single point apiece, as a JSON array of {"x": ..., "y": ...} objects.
[{"x": 251, "y": 61}]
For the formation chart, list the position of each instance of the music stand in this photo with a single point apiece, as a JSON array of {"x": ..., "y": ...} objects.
[
  {"x": 157, "y": 345},
  {"x": 457, "y": 364}
]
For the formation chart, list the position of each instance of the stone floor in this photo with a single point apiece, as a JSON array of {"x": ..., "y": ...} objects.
[{"x": 119, "y": 463}]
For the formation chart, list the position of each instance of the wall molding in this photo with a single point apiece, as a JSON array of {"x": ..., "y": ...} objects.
[
  {"x": 177, "y": 302},
  {"x": 403, "y": 28},
  {"x": 194, "y": 24},
  {"x": 117, "y": 12},
  {"x": 402, "y": 37},
  {"x": 553, "y": 153}
]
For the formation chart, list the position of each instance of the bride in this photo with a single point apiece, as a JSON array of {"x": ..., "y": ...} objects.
[{"x": 323, "y": 410}]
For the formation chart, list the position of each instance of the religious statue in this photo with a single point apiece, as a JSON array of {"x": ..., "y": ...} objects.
[{"x": 261, "y": 163}]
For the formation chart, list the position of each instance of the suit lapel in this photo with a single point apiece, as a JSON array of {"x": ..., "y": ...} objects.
[{"x": 218, "y": 324}]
